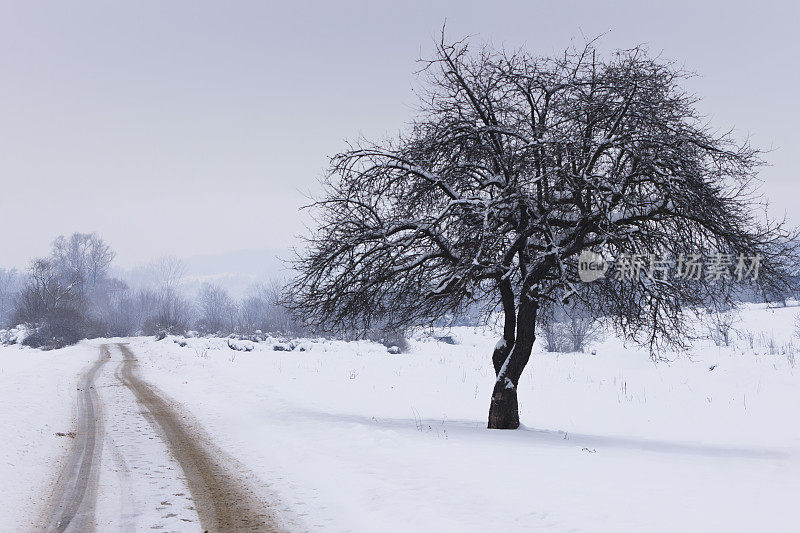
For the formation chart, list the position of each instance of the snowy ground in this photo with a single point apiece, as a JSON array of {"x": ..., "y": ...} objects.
[
  {"x": 37, "y": 400},
  {"x": 353, "y": 438}
]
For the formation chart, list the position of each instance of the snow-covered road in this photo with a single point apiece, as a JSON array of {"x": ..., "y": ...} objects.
[{"x": 139, "y": 463}]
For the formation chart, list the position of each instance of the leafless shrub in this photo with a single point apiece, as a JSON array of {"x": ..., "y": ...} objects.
[
  {"x": 389, "y": 337},
  {"x": 720, "y": 325},
  {"x": 569, "y": 328},
  {"x": 201, "y": 351},
  {"x": 52, "y": 307},
  {"x": 554, "y": 337}
]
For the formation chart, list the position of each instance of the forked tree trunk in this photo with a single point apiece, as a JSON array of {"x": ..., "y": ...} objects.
[{"x": 509, "y": 360}]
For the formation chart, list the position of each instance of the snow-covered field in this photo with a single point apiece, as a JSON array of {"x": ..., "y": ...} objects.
[{"x": 353, "y": 438}]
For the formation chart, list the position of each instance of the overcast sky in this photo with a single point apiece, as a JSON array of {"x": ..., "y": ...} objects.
[{"x": 191, "y": 127}]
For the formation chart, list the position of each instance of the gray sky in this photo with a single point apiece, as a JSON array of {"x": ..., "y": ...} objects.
[{"x": 192, "y": 127}]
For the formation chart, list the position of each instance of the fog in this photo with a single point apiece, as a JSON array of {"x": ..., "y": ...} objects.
[{"x": 199, "y": 128}]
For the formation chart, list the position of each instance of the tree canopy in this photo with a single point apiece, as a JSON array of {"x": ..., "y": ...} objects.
[{"x": 515, "y": 164}]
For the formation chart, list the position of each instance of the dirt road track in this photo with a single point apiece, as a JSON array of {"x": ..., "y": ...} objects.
[
  {"x": 76, "y": 489},
  {"x": 224, "y": 502},
  {"x": 223, "y": 498}
]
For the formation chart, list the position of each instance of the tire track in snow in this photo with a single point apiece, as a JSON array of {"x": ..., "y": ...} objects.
[
  {"x": 73, "y": 501},
  {"x": 224, "y": 501},
  {"x": 141, "y": 485}
]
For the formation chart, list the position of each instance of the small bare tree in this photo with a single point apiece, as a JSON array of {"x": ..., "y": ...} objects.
[
  {"x": 166, "y": 273},
  {"x": 569, "y": 327},
  {"x": 216, "y": 310},
  {"x": 259, "y": 312},
  {"x": 11, "y": 283},
  {"x": 264, "y": 309},
  {"x": 160, "y": 307},
  {"x": 720, "y": 324},
  {"x": 515, "y": 165},
  {"x": 52, "y": 306},
  {"x": 172, "y": 314},
  {"x": 113, "y": 312}
]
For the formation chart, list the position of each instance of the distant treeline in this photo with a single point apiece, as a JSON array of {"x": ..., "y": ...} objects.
[{"x": 70, "y": 295}]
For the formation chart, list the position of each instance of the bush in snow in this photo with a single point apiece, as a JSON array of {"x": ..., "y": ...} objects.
[
  {"x": 569, "y": 328},
  {"x": 240, "y": 346},
  {"x": 720, "y": 326},
  {"x": 391, "y": 338},
  {"x": 14, "y": 335}
]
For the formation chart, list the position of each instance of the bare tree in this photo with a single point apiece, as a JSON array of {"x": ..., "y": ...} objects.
[
  {"x": 51, "y": 305},
  {"x": 217, "y": 311},
  {"x": 569, "y": 327},
  {"x": 83, "y": 257},
  {"x": 264, "y": 310},
  {"x": 171, "y": 315},
  {"x": 112, "y": 310},
  {"x": 69, "y": 295},
  {"x": 514, "y": 165},
  {"x": 720, "y": 323},
  {"x": 253, "y": 311},
  {"x": 11, "y": 283},
  {"x": 167, "y": 272},
  {"x": 162, "y": 307},
  {"x": 145, "y": 305}
]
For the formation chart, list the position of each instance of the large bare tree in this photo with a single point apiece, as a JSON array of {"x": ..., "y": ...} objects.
[{"x": 513, "y": 166}]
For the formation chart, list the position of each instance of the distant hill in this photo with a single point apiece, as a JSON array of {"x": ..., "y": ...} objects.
[{"x": 235, "y": 271}]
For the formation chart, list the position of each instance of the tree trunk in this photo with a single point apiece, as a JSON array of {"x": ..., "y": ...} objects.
[
  {"x": 509, "y": 361},
  {"x": 504, "y": 409}
]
